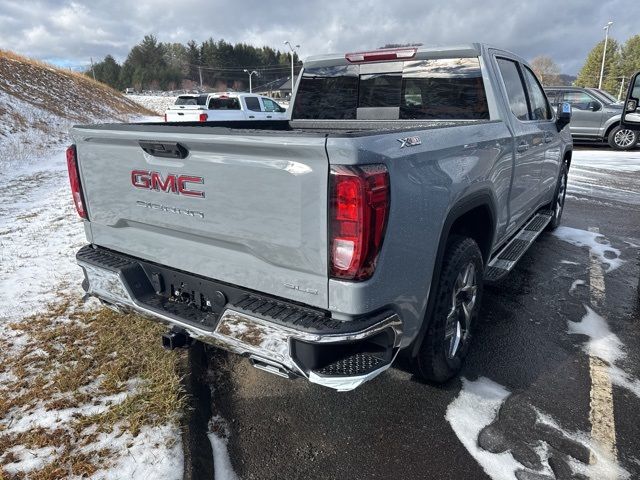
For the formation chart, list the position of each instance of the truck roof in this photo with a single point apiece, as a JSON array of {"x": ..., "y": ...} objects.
[{"x": 421, "y": 53}]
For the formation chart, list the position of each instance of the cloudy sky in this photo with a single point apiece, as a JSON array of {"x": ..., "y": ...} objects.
[{"x": 70, "y": 32}]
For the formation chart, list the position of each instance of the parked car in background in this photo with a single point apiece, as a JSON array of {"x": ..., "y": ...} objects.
[
  {"x": 595, "y": 116},
  {"x": 224, "y": 107}
]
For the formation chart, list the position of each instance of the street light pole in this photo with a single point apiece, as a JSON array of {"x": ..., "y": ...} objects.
[
  {"x": 604, "y": 52},
  {"x": 292, "y": 51},
  {"x": 251, "y": 73}
]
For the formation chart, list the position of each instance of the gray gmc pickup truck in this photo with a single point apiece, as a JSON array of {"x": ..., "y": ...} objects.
[{"x": 323, "y": 245}]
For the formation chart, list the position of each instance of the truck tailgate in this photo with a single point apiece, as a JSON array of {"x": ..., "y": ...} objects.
[{"x": 261, "y": 222}]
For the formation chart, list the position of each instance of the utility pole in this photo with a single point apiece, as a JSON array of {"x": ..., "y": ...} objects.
[
  {"x": 92, "y": 71},
  {"x": 200, "y": 73},
  {"x": 292, "y": 52},
  {"x": 604, "y": 52},
  {"x": 621, "y": 88}
]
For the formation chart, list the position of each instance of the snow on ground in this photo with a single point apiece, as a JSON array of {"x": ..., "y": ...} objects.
[
  {"x": 156, "y": 103},
  {"x": 218, "y": 436},
  {"x": 479, "y": 404},
  {"x": 39, "y": 235},
  {"x": 146, "y": 457},
  {"x": 597, "y": 243},
  {"x": 606, "y": 346},
  {"x": 475, "y": 408},
  {"x": 605, "y": 174}
]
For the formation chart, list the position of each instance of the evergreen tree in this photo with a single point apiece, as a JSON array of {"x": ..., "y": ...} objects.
[
  {"x": 590, "y": 73},
  {"x": 630, "y": 57},
  {"x": 107, "y": 71}
]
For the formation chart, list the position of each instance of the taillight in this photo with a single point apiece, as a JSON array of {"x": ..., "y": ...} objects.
[
  {"x": 381, "y": 55},
  {"x": 203, "y": 117},
  {"x": 359, "y": 205},
  {"x": 74, "y": 180}
]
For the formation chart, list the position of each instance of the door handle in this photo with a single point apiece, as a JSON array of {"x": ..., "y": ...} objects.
[
  {"x": 269, "y": 116},
  {"x": 523, "y": 147},
  {"x": 252, "y": 116}
]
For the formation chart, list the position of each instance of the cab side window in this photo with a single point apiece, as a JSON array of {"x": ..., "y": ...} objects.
[
  {"x": 539, "y": 105},
  {"x": 270, "y": 105},
  {"x": 252, "y": 103},
  {"x": 579, "y": 100},
  {"x": 515, "y": 89}
]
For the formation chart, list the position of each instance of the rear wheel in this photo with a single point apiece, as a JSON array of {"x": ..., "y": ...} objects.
[
  {"x": 459, "y": 291},
  {"x": 557, "y": 206},
  {"x": 622, "y": 138}
]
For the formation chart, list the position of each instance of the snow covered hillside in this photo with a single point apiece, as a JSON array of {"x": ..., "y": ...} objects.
[{"x": 39, "y": 103}]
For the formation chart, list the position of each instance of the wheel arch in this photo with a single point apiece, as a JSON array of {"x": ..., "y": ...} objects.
[
  {"x": 479, "y": 208},
  {"x": 610, "y": 127}
]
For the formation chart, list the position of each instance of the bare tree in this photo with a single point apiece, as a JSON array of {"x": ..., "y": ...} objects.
[{"x": 546, "y": 70}]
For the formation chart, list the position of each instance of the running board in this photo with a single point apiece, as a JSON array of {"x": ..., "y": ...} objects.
[{"x": 506, "y": 259}]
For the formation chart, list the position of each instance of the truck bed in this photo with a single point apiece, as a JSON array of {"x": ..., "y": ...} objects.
[{"x": 299, "y": 127}]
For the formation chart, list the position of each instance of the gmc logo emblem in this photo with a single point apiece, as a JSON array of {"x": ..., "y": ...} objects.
[{"x": 171, "y": 184}]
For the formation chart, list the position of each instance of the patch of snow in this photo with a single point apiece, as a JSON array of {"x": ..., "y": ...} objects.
[
  {"x": 606, "y": 159},
  {"x": 603, "y": 466},
  {"x": 575, "y": 284},
  {"x": 28, "y": 459},
  {"x": 476, "y": 407},
  {"x": 597, "y": 243},
  {"x": 569, "y": 262},
  {"x": 39, "y": 235},
  {"x": 148, "y": 456},
  {"x": 223, "y": 470},
  {"x": 606, "y": 346},
  {"x": 18, "y": 422},
  {"x": 605, "y": 174},
  {"x": 603, "y": 343},
  {"x": 155, "y": 103}
]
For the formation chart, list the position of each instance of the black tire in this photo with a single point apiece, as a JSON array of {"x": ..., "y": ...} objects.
[
  {"x": 437, "y": 361},
  {"x": 622, "y": 138},
  {"x": 557, "y": 204}
]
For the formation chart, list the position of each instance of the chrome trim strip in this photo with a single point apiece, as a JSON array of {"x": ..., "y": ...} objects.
[{"x": 264, "y": 342}]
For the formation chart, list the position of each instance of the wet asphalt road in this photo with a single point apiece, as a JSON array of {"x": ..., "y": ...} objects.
[{"x": 395, "y": 426}]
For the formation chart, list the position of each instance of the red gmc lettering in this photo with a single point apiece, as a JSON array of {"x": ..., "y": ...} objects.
[
  {"x": 182, "y": 186},
  {"x": 171, "y": 184}
]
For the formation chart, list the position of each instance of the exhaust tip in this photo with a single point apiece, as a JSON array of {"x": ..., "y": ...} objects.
[{"x": 172, "y": 340}]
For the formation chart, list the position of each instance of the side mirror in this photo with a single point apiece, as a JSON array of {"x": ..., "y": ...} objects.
[
  {"x": 594, "y": 106},
  {"x": 631, "y": 113},
  {"x": 564, "y": 115}
]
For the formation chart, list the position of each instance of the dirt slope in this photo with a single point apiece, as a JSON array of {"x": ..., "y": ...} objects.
[{"x": 37, "y": 98}]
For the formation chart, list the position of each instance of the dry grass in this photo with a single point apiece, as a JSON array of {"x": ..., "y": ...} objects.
[
  {"x": 76, "y": 358},
  {"x": 63, "y": 93}
]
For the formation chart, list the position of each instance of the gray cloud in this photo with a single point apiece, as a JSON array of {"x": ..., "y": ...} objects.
[{"x": 74, "y": 31}]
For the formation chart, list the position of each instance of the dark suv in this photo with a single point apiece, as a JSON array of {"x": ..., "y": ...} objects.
[{"x": 595, "y": 116}]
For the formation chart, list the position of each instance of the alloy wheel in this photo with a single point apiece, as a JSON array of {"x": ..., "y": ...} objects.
[
  {"x": 465, "y": 293},
  {"x": 624, "y": 138}
]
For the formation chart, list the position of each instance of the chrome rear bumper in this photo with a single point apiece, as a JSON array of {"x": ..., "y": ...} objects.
[{"x": 270, "y": 346}]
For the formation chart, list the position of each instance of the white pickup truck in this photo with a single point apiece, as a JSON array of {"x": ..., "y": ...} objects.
[{"x": 224, "y": 107}]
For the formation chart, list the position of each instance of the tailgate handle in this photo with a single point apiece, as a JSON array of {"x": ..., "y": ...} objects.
[{"x": 164, "y": 149}]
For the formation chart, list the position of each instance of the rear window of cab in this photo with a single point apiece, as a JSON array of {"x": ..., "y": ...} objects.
[{"x": 437, "y": 89}]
